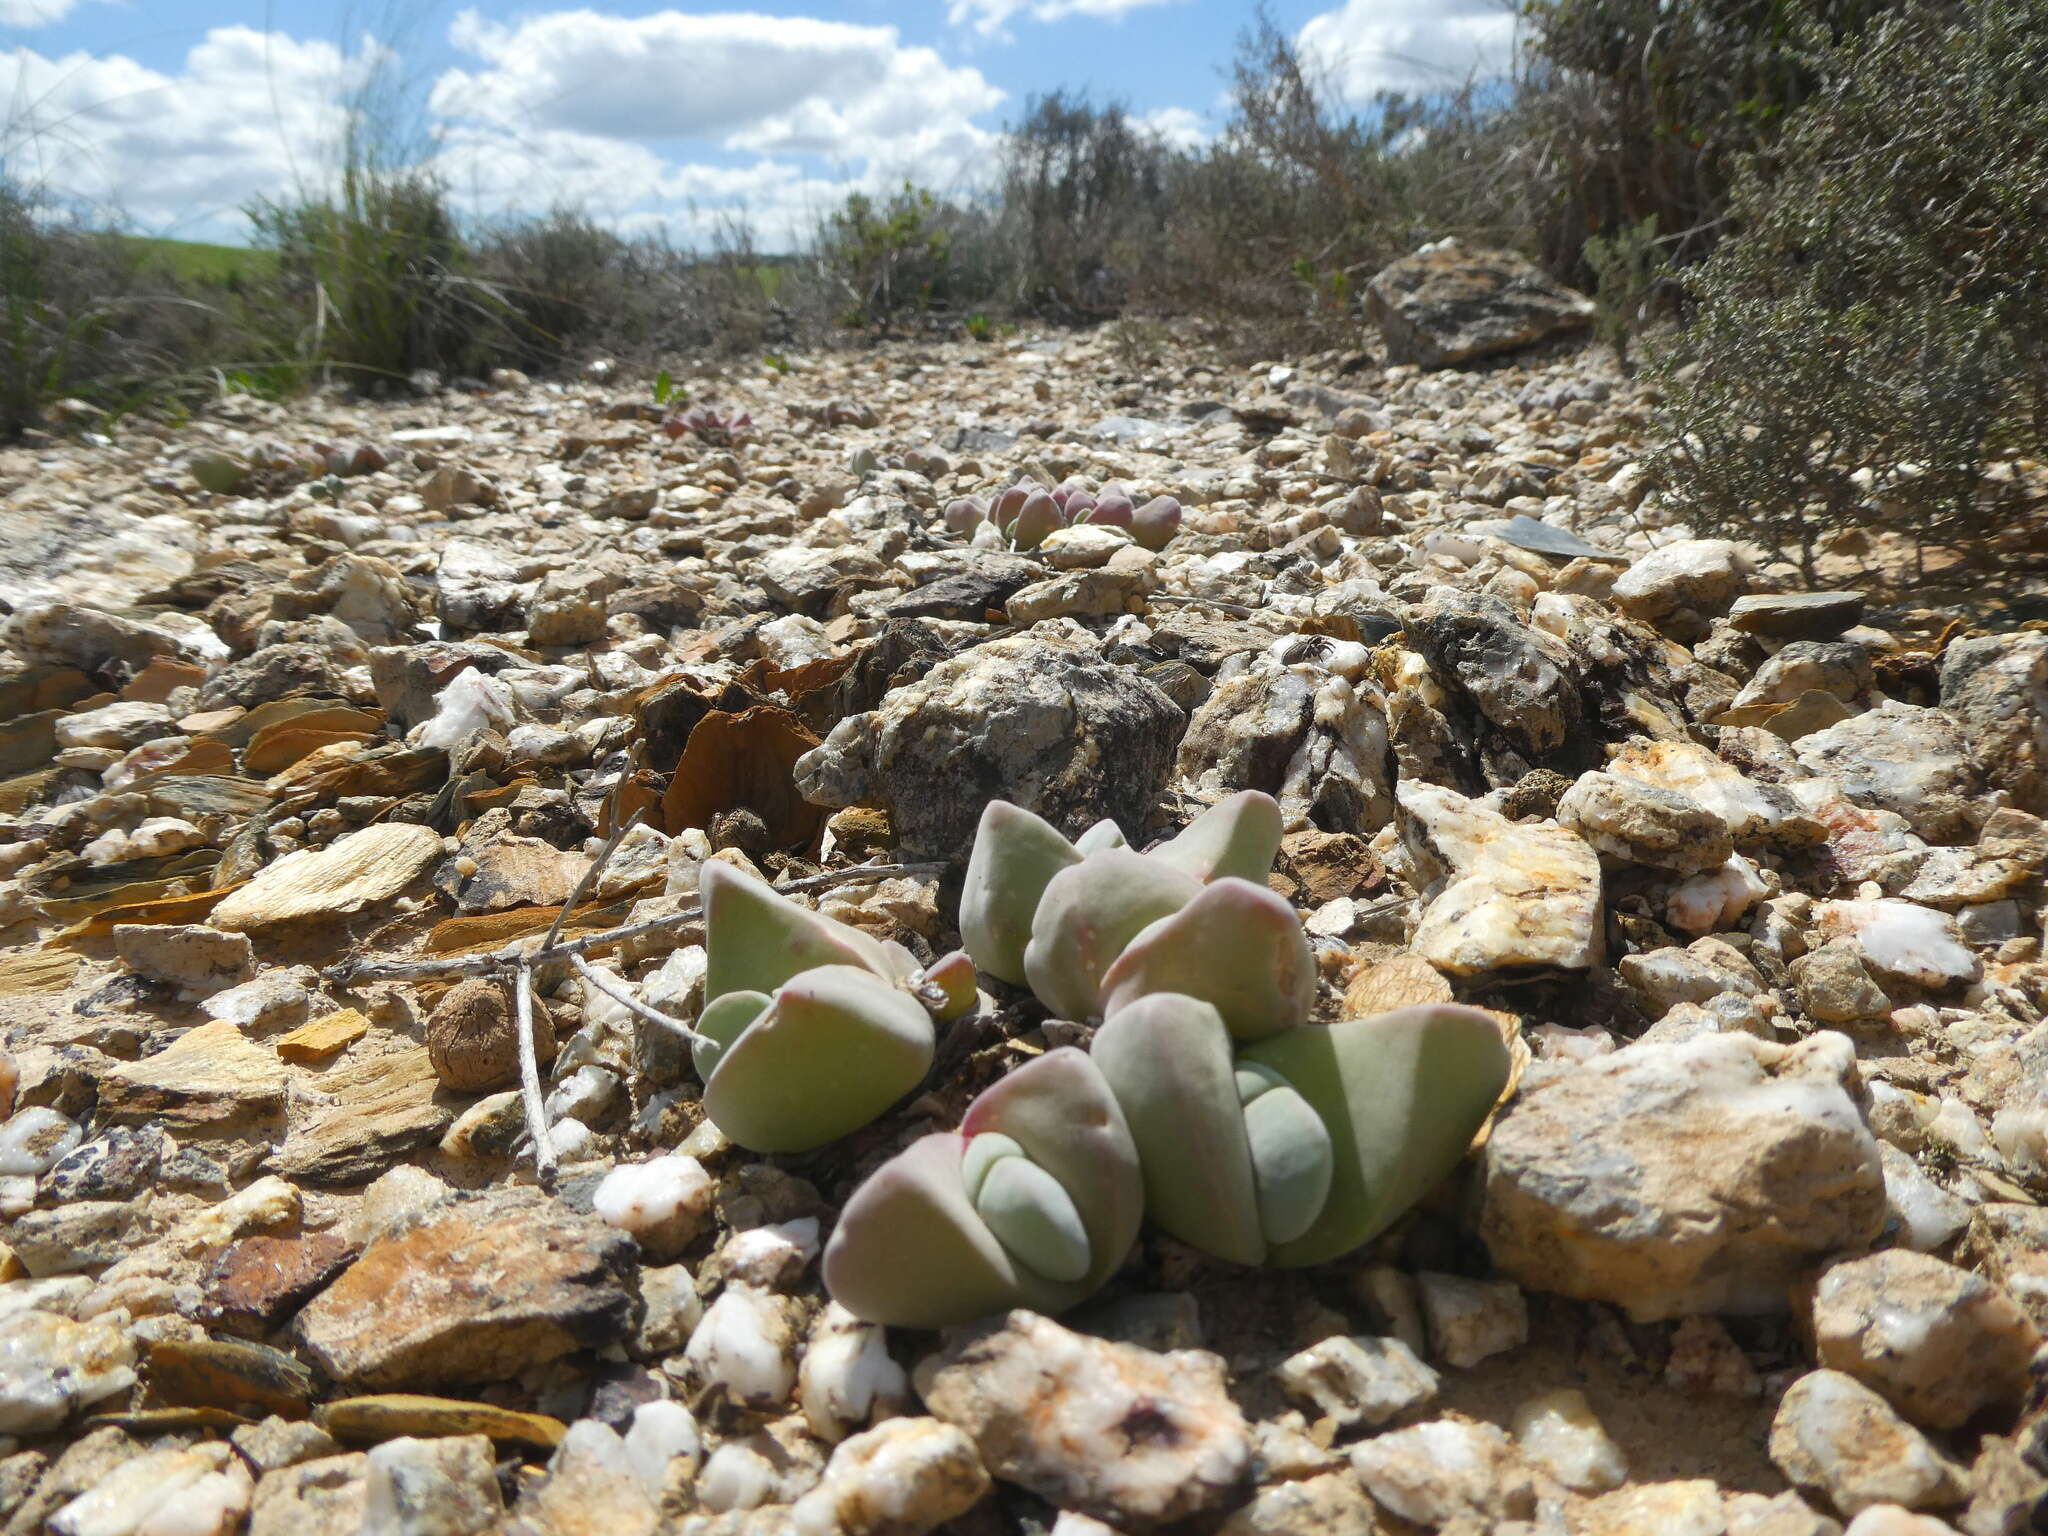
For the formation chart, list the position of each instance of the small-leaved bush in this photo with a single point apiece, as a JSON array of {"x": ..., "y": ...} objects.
[{"x": 1876, "y": 329}]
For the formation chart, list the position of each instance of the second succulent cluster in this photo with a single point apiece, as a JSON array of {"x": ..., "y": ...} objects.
[{"x": 1206, "y": 1099}]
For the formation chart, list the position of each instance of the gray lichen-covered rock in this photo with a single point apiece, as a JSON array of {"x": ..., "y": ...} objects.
[
  {"x": 1903, "y": 759},
  {"x": 1049, "y": 726},
  {"x": 1997, "y": 689},
  {"x": 1703, "y": 1176},
  {"x": 1637, "y": 823},
  {"x": 1450, "y": 303},
  {"x": 1306, "y": 736}
]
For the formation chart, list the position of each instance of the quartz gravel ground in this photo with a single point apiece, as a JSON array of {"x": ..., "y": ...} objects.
[{"x": 1754, "y": 878}]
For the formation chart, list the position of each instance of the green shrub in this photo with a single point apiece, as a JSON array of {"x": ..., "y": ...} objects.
[
  {"x": 89, "y": 315},
  {"x": 889, "y": 258},
  {"x": 376, "y": 280},
  {"x": 1877, "y": 326}
]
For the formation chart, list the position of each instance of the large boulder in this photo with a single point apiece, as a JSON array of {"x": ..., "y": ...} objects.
[
  {"x": 1049, "y": 726},
  {"x": 1673, "y": 1180},
  {"x": 1450, "y": 303}
]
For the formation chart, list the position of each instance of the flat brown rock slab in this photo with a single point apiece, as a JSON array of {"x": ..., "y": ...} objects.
[
  {"x": 322, "y": 1037},
  {"x": 212, "y": 1078},
  {"x": 237, "y": 1375},
  {"x": 1450, "y": 303},
  {"x": 257, "y": 1281},
  {"x": 472, "y": 1291},
  {"x": 312, "y": 885},
  {"x": 384, "y": 1107},
  {"x": 387, "y": 1415}
]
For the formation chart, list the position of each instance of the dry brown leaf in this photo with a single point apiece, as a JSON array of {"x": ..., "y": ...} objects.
[{"x": 745, "y": 761}]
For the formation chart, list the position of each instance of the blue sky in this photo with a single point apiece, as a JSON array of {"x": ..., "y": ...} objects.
[{"x": 172, "y": 114}]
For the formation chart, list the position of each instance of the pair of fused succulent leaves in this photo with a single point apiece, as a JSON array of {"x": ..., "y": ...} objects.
[
  {"x": 1206, "y": 1099},
  {"x": 810, "y": 1028},
  {"x": 1024, "y": 514}
]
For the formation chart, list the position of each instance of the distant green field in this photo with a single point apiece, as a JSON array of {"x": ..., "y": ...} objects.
[{"x": 201, "y": 263}]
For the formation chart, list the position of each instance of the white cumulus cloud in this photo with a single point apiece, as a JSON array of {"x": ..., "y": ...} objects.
[
  {"x": 34, "y": 13},
  {"x": 1181, "y": 127},
  {"x": 771, "y": 85},
  {"x": 990, "y": 17},
  {"x": 249, "y": 114},
  {"x": 1366, "y": 46}
]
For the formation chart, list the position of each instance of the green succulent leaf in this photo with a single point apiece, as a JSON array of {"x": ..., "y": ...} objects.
[
  {"x": 835, "y": 1047},
  {"x": 723, "y": 1021},
  {"x": 1089, "y": 913},
  {"x": 1015, "y": 854},
  {"x": 1292, "y": 1162},
  {"x": 1034, "y": 1219},
  {"x": 1104, "y": 834},
  {"x": 1237, "y": 946},
  {"x": 912, "y": 1250},
  {"x": 1238, "y": 836},
  {"x": 1401, "y": 1095},
  {"x": 1167, "y": 1059},
  {"x": 756, "y": 938}
]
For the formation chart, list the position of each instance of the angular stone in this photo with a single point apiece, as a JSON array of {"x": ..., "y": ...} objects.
[
  {"x": 1517, "y": 894},
  {"x": 1637, "y": 823},
  {"x": 988, "y": 583},
  {"x": 56, "y": 1367},
  {"x": 2008, "y": 1244},
  {"x": 361, "y": 870},
  {"x": 1023, "y": 719},
  {"x": 1353, "y": 1381},
  {"x": 1835, "y": 1437},
  {"x": 1445, "y": 1470},
  {"x": 1450, "y": 303},
  {"x": 473, "y": 1290},
  {"x": 314, "y": 1498},
  {"x": 1525, "y": 532},
  {"x": 1940, "y": 1343},
  {"x": 1906, "y": 760},
  {"x": 254, "y": 1284},
  {"x": 1797, "y": 615},
  {"x": 201, "y": 960},
  {"x": 1125, "y": 1435},
  {"x": 1703, "y": 1176},
  {"x": 1682, "y": 585},
  {"x": 1996, "y": 687},
  {"x": 242, "y": 1377},
  {"x": 1335, "y": 1502},
  {"x": 385, "y": 1106},
  {"x": 212, "y": 1078},
  {"x": 438, "y": 1487},
  {"x": 322, "y": 1037},
  {"x": 904, "y": 1477}
]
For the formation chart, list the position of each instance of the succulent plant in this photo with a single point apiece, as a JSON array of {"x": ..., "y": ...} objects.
[
  {"x": 1033, "y": 1202},
  {"x": 810, "y": 1028},
  {"x": 1303, "y": 1145},
  {"x": 1091, "y": 926},
  {"x": 1024, "y": 513},
  {"x": 714, "y": 426}
]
